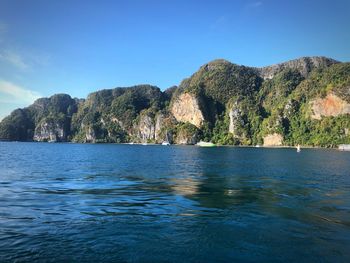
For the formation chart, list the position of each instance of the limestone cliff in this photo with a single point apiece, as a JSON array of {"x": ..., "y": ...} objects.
[
  {"x": 185, "y": 138},
  {"x": 158, "y": 127},
  {"x": 146, "y": 128},
  {"x": 90, "y": 135},
  {"x": 274, "y": 139},
  {"x": 155, "y": 127},
  {"x": 236, "y": 120},
  {"x": 304, "y": 65},
  {"x": 50, "y": 131},
  {"x": 331, "y": 105},
  {"x": 186, "y": 108}
]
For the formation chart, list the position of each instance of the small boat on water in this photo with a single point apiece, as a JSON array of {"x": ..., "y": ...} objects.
[
  {"x": 131, "y": 143},
  {"x": 206, "y": 144},
  {"x": 344, "y": 147},
  {"x": 298, "y": 148},
  {"x": 166, "y": 142},
  {"x": 144, "y": 139}
]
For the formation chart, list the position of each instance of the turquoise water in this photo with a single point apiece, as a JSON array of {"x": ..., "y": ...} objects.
[{"x": 133, "y": 203}]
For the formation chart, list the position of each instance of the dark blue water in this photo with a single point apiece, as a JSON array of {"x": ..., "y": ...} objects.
[{"x": 131, "y": 203}]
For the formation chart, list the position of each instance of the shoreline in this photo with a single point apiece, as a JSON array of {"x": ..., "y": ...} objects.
[{"x": 159, "y": 144}]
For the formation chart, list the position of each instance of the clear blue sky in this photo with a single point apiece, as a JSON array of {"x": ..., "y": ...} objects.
[{"x": 77, "y": 47}]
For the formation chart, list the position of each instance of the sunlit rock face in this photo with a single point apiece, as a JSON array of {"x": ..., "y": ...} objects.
[
  {"x": 274, "y": 139},
  {"x": 331, "y": 105},
  {"x": 146, "y": 128},
  {"x": 158, "y": 127},
  {"x": 185, "y": 138},
  {"x": 186, "y": 109},
  {"x": 90, "y": 135},
  {"x": 164, "y": 124},
  {"x": 47, "y": 131},
  {"x": 236, "y": 120},
  {"x": 304, "y": 65}
]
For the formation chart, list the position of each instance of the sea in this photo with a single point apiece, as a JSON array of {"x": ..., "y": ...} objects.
[{"x": 65, "y": 202}]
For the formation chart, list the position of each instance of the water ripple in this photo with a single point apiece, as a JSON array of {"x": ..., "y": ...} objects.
[{"x": 97, "y": 203}]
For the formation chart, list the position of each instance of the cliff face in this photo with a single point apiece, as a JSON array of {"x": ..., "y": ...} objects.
[
  {"x": 146, "y": 128},
  {"x": 186, "y": 108},
  {"x": 53, "y": 132},
  {"x": 160, "y": 123},
  {"x": 47, "y": 119},
  {"x": 236, "y": 120},
  {"x": 274, "y": 139},
  {"x": 90, "y": 135},
  {"x": 303, "y": 65},
  {"x": 331, "y": 105},
  {"x": 303, "y": 101},
  {"x": 186, "y": 137}
]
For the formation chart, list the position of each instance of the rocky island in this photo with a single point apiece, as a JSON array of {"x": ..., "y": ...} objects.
[{"x": 304, "y": 101}]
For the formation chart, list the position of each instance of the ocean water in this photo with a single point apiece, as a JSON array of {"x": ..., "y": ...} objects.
[{"x": 134, "y": 203}]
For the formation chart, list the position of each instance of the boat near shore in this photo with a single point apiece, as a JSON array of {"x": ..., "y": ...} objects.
[
  {"x": 206, "y": 144},
  {"x": 344, "y": 147}
]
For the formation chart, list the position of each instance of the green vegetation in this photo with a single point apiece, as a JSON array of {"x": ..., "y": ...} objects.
[
  {"x": 17, "y": 126},
  {"x": 220, "y": 80}
]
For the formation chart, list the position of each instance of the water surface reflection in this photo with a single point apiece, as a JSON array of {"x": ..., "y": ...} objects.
[{"x": 135, "y": 203}]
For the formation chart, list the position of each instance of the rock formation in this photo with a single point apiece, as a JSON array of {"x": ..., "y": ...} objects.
[
  {"x": 274, "y": 139},
  {"x": 146, "y": 128},
  {"x": 50, "y": 131},
  {"x": 186, "y": 108},
  {"x": 331, "y": 105},
  {"x": 236, "y": 120},
  {"x": 304, "y": 65}
]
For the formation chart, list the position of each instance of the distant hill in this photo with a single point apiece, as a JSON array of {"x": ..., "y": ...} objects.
[{"x": 304, "y": 101}]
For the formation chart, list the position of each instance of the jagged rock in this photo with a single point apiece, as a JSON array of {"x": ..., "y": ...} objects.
[
  {"x": 90, "y": 135},
  {"x": 304, "y": 65},
  {"x": 164, "y": 128},
  {"x": 50, "y": 131},
  {"x": 274, "y": 139},
  {"x": 154, "y": 128},
  {"x": 186, "y": 108},
  {"x": 290, "y": 108},
  {"x": 186, "y": 139},
  {"x": 331, "y": 105},
  {"x": 159, "y": 125},
  {"x": 236, "y": 119},
  {"x": 146, "y": 127},
  {"x": 116, "y": 120}
]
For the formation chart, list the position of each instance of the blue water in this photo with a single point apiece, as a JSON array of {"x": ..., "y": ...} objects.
[{"x": 133, "y": 203}]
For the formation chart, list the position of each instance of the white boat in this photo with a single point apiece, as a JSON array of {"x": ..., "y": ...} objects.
[
  {"x": 144, "y": 139},
  {"x": 298, "y": 148},
  {"x": 344, "y": 147},
  {"x": 205, "y": 144},
  {"x": 166, "y": 142},
  {"x": 131, "y": 143}
]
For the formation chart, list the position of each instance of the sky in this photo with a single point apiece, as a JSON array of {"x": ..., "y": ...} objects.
[{"x": 77, "y": 47}]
